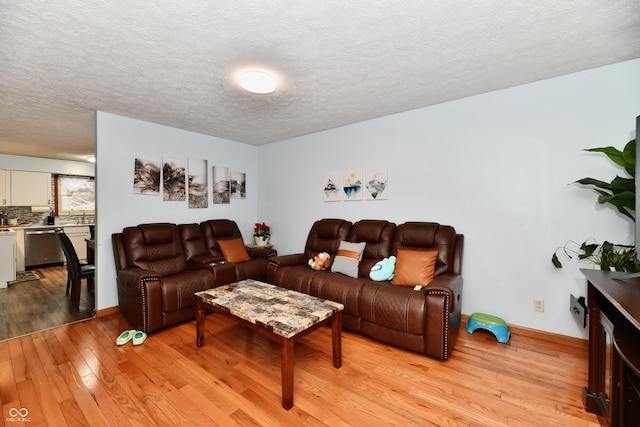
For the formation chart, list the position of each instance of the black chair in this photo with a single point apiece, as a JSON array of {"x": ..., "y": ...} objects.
[
  {"x": 76, "y": 271},
  {"x": 82, "y": 262}
]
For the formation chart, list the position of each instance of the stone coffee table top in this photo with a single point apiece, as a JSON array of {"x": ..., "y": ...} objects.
[{"x": 280, "y": 310}]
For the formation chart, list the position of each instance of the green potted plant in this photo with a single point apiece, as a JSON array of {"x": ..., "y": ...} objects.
[
  {"x": 607, "y": 255},
  {"x": 620, "y": 193}
]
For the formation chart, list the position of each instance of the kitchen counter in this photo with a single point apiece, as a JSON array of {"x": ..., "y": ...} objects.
[{"x": 32, "y": 225}]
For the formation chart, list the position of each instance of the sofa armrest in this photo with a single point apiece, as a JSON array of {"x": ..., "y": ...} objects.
[
  {"x": 449, "y": 283},
  {"x": 223, "y": 272},
  {"x": 140, "y": 298},
  {"x": 203, "y": 261},
  {"x": 288, "y": 260},
  {"x": 132, "y": 279},
  {"x": 261, "y": 252},
  {"x": 443, "y": 297}
]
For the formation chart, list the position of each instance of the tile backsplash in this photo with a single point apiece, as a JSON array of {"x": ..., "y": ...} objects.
[{"x": 24, "y": 214}]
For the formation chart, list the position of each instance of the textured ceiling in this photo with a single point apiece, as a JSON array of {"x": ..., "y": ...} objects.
[{"x": 339, "y": 62}]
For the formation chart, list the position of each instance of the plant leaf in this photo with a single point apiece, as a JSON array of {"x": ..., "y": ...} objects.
[
  {"x": 588, "y": 249},
  {"x": 622, "y": 199},
  {"x": 624, "y": 202},
  {"x": 612, "y": 153},
  {"x": 595, "y": 182},
  {"x": 629, "y": 156},
  {"x": 619, "y": 193},
  {"x": 623, "y": 184},
  {"x": 556, "y": 262}
]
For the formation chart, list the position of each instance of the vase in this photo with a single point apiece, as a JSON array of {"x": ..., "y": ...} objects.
[{"x": 261, "y": 240}]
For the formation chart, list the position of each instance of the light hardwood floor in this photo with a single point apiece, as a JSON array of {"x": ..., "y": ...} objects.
[
  {"x": 76, "y": 375},
  {"x": 41, "y": 304}
]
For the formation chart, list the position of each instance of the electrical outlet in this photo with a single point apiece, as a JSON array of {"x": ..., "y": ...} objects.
[{"x": 538, "y": 304}]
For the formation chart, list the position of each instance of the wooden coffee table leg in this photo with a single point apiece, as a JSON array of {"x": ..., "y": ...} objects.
[
  {"x": 199, "y": 323},
  {"x": 287, "y": 373},
  {"x": 336, "y": 338}
]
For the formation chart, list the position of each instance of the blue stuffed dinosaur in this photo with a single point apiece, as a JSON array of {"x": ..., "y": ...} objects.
[{"x": 383, "y": 270}]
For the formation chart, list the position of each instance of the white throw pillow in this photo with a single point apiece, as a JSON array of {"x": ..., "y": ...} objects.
[{"x": 348, "y": 258}]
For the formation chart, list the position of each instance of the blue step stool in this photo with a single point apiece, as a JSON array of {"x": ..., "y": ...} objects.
[{"x": 493, "y": 324}]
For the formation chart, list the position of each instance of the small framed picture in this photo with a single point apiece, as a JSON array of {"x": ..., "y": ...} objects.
[
  {"x": 352, "y": 185},
  {"x": 331, "y": 187},
  {"x": 376, "y": 184}
]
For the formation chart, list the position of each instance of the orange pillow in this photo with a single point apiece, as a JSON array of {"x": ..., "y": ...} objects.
[
  {"x": 233, "y": 250},
  {"x": 414, "y": 267}
]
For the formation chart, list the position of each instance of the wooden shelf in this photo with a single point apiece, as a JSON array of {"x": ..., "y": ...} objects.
[{"x": 614, "y": 348}]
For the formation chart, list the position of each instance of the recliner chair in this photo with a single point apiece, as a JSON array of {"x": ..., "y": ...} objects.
[{"x": 155, "y": 284}]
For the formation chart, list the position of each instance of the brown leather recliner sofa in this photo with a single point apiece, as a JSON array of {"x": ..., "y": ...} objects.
[
  {"x": 160, "y": 266},
  {"x": 425, "y": 321}
]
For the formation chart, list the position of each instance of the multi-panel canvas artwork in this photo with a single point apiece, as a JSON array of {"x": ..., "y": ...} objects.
[
  {"x": 188, "y": 180},
  {"x": 351, "y": 185}
]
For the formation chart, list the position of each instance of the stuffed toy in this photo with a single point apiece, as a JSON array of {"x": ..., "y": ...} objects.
[
  {"x": 320, "y": 261},
  {"x": 383, "y": 270}
]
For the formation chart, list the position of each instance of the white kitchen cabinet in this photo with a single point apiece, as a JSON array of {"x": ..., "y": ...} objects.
[
  {"x": 7, "y": 258},
  {"x": 30, "y": 188},
  {"x": 5, "y": 188},
  {"x": 78, "y": 236}
]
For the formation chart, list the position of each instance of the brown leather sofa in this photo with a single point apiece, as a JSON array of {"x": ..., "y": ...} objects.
[
  {"x": 425, "y": 321},
  {"x": 160, "y": 266}
]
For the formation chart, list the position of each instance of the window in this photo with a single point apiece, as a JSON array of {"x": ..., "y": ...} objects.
[{"x": 75, "y": 195}]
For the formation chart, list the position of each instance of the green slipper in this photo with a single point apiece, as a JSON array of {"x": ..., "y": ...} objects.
[
  {"x": 125, "y": 337},
  {"x": 139, "y": 337}
]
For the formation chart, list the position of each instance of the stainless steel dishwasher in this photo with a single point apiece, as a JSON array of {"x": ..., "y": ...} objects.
[{"x": 42, "y": 248}]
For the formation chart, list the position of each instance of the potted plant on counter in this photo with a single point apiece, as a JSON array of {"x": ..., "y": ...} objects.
[{"x": 620, "y": 193}]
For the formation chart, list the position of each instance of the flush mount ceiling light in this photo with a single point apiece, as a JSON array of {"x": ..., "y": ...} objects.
[{"x": 259, "y": 82}]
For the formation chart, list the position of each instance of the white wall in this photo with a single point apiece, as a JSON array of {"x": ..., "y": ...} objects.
[
  {"x": 120, "y": 141},
  {"x": 495, "y": 166}
]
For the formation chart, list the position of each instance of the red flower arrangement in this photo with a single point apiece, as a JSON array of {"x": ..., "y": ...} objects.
[{"x": 261, "y": 230}]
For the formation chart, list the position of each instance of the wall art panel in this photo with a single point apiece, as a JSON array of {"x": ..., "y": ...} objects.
[
  {"x": 352, "y": 185},
  {"x": 198, "y": 187},
  {"x": 146, "y": 177}
]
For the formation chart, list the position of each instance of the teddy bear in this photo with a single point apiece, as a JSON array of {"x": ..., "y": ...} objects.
[
  {"x": 383, "y": 270},
  {"x": 320, "y": 261}
]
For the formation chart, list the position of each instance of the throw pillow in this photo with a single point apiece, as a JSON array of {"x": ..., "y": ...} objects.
[
  {"x": 383, "y": 270},
  {"x": 233, "y": 250},
  {"x": 414, "y": 267},
  {"x": 348, "y": 258}
]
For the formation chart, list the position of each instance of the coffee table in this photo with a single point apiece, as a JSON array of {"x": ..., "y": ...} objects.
[{"x": 280, "y": 314}]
